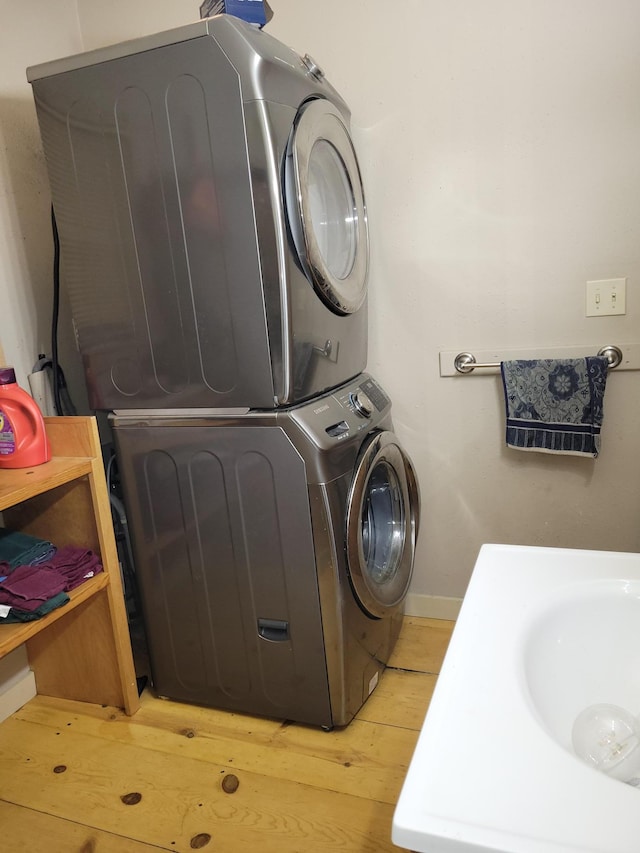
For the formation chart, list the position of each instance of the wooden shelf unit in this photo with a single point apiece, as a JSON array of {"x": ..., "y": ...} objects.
[{"x": 82, "y": 650}]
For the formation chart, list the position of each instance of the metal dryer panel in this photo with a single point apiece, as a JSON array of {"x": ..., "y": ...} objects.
[{"x": 166, "y": 159}]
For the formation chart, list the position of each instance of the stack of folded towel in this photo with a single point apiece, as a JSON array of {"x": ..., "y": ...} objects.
[
  {"x": 35, "y": 576},
  {"x": 31, "y": 592},
  {"x": 20, "y": 549},
  {"x": 76, "y": 565}
]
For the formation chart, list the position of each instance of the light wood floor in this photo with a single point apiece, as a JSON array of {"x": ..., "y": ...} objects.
[{"x": 86, "y": 778}]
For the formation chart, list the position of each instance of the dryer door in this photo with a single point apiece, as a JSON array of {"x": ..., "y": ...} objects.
[
  {"x": 382, "y": 524},
  {"x": 326, "y": 207}
]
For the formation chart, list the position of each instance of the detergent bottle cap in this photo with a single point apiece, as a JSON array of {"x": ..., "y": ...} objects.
[{"x": 7, "y": 376}]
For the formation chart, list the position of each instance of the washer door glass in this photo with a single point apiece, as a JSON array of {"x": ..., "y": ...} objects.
[
  {"x": 382, "y": 525},
  {"x": 326, "y": 208}
]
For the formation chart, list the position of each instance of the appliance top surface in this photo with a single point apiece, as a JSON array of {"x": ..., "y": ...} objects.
[
  {"x": 223, "y": 28},
  {"x": 327, "y": 431},
  {"x": 340, "y": 416}
]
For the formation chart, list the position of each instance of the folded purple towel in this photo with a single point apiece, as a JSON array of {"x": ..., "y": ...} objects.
[
  {"x": 28, "y": 586},
  {"x": 76, "y": 564},
  {"x": 17, "y": 615}
]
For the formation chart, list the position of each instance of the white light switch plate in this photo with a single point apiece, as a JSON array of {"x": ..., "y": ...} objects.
[{"x": 607, "y": 297}]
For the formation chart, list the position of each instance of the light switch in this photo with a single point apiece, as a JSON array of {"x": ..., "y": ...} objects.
[{"x": 607, "y": 297}]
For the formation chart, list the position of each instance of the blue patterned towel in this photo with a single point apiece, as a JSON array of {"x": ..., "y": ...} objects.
[{"x": 555, "y": 405}]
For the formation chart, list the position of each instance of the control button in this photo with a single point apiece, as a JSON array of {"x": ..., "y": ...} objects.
[
  {"x": 312, "y": 66},
  {"x": 361, "y": 403}
]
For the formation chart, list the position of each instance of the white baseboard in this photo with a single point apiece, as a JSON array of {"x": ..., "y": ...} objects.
[
  {"x": 432, "y": 606},
  {"x": 17, "y": 695},
  {"x": 17, "y": 682}
]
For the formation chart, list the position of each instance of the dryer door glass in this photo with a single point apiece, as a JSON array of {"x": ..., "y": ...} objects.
[
  {"x": 382, "y": 525},
  {"x": 326, "y": 208},
  {"x": 334, "y": 217}
]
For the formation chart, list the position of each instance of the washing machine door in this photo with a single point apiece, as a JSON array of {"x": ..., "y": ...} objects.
[
  {"x": 382, "y": 524},
  {"x": 326, "y": 208}
]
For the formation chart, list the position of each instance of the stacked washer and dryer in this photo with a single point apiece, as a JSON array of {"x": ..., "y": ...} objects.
[{"x": 214, "y": 235}]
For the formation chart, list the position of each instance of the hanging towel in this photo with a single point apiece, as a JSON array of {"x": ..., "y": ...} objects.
[{"x": 555, "y": 405}]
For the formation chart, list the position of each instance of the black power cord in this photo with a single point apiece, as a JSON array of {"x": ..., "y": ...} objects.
[{"x": 61, "y": 398}]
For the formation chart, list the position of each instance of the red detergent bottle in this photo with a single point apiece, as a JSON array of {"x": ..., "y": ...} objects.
[{"x": 23, "y": 438}]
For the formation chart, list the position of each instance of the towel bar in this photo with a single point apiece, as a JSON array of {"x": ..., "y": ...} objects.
[{"x": 465, "y": 362}]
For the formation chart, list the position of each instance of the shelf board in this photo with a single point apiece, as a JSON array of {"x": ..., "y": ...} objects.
[
  {"x": 20, "y": 484},
  {"x": 13, "y": 635}
]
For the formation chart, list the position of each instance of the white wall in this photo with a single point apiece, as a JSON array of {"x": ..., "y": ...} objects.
[
  {"x": 500, "y": 146},
  {"x": 30, "y": 33}
]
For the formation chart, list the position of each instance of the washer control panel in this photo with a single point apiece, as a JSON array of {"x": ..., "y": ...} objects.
[
  {"x": 375, "y": 393},
  {"x": 355, "y": 407},
  {"x": 364, "y": 399}
]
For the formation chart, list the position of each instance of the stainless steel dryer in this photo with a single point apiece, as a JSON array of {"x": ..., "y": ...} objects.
[
  {"x": 211, "y": 216},
  {"x": 273, "y": 551}
]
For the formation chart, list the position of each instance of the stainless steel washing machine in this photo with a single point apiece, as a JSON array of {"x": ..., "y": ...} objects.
[
  {"x": 211, "y": 216},
  {"x": 273, "y": 550}
]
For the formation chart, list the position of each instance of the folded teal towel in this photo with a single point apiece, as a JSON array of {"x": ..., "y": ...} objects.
[
  {"x": 22, "y": 549},
  {"x": 17, "y": 615},
  {"x": 555, "y": 405}
]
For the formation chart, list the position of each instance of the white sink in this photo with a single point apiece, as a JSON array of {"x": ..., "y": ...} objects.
[{"x": 543, "y": 633}]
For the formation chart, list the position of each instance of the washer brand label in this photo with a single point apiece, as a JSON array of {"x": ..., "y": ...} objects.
[{"x": 321, "y": 409}]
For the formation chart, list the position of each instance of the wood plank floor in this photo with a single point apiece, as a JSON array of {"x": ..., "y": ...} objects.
[{"x": 86, "y": 778}]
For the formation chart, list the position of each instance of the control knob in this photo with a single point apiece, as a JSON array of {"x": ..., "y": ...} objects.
[{"x": 361, "y": 403}]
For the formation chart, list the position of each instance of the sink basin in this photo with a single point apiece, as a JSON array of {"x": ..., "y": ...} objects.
[{"x": 543, "y": 633}]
